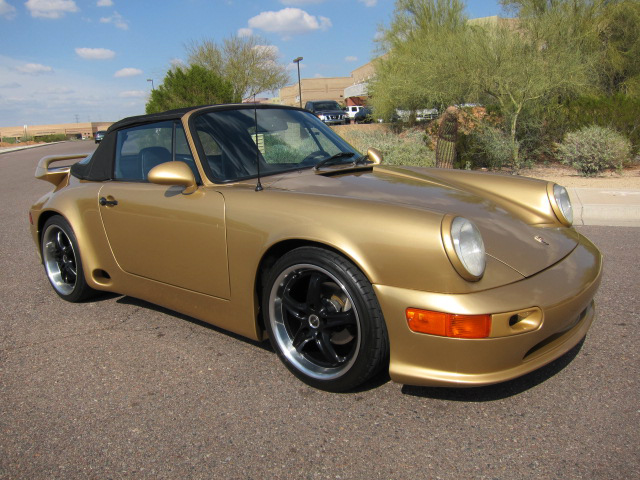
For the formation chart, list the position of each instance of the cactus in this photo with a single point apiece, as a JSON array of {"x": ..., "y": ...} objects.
[{"x": 447, "y": 138}]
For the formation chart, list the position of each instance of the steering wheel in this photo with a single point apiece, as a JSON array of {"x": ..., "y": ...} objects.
[{"x": 313, "y": 157}]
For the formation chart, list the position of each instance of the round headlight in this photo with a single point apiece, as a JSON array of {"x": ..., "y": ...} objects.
[
  {"x": 562, "y": 207},
  {"x": 464, "y": 247}
]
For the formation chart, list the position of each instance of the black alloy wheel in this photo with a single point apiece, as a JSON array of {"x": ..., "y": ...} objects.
[
  {"x": 61, "y": 259},
  {"x": 324, "y": 320}
]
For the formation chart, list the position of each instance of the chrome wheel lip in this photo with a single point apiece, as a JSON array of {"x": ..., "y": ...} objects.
[
  {"x": 284, "y": 340},
  {"x": 54, "y": 259}
]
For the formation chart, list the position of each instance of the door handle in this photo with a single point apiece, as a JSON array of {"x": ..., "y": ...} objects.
[{"x": 107, "y": 203}]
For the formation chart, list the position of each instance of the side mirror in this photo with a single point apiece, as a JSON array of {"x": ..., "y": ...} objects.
[
  {"x": 375, "y": 155},
  {"x": 174, "y": 173}
]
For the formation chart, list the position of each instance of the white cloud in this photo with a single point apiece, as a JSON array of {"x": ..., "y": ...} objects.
[
  {"x": 289, "y": 21},
  {"x": 58, "y": 90},
  {"x": 299, "y": 3},
  {"x": 177, "y": 62},
  {"x": 95, "y": 53},
  {"x": 245, "y": 32},
  {"x": 51, "y": 8},
  {"x": 133, "y": 94},
  {"x": 351, "y": 58},
  {"x": 117, "y": 20},
  {"x": 127, "y": 72},
  {"x": 6, "y": 10},
  {"x": 59, "y": 96},
  {"x": 369, "y": 3},
  {"x": 104, "y": 3},
  {"x": 34, "y": 69},
  {"x": 268, "y": 49}
]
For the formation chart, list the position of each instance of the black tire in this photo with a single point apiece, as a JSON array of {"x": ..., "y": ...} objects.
[
  {"x": 61, "y": 260},
  {"x": 324, "y": 320}
]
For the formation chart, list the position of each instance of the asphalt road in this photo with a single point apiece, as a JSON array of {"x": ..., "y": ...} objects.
[{"x": 119, "y": 388}]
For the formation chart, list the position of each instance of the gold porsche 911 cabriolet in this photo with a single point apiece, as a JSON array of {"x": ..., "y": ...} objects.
[{"x": 261, "y": 220}]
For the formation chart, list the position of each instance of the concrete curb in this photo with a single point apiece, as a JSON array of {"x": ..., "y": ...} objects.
[
  {"x": 607, "y": 207},
  {"x": 24, "y": 147}
]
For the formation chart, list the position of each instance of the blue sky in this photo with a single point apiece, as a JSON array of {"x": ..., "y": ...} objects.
[{"x": 91, "y": 58}]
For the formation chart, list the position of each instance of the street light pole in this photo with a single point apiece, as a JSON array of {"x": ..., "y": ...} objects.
[
  {"x": 151, "y": 80},
  {"x": 297, "y": 61}
]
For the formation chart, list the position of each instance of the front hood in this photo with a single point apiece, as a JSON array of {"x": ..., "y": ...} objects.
[{"x": 527, "y": 249}]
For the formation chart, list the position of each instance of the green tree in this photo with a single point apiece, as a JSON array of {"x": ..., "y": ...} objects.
[
  {"x": 249, "y": 63},
  {"x": 194, "y": 86},
  {"x": 406, "y": 75},
  {"x": 435, "y": 56},
  {"x": 618, "y": 32}
]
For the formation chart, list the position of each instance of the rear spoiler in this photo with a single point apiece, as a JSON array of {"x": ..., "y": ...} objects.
[{"x": 57, "y": 174}]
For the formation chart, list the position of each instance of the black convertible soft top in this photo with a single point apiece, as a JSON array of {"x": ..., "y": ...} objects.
[{"x": 99, "y": 168}]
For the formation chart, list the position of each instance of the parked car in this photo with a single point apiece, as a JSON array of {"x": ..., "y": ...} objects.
[
  {"x": 352, "y": 110},
  {"x": 422, "y": 115},
  {"x": 100, "y": 135},
  {"x": 364, "y": 115},
  {"x": 329, "y": 111},
  {"x": 263, "y": 221}
]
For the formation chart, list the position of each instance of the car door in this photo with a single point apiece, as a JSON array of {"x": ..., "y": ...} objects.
[{"x": 155, "y": 231}]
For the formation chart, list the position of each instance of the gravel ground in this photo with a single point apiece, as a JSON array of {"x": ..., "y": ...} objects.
[{"x": 568, "y": 177}]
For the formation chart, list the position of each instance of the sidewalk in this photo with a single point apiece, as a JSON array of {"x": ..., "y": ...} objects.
[{"x": 610, "y": 207}]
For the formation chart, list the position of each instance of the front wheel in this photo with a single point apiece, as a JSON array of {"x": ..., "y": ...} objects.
[
  {"x": 323, "y": 319},
  {"x": 61, "y": 259}
]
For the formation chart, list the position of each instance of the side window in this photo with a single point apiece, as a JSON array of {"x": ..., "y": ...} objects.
[{"x": 139, "y": 149}]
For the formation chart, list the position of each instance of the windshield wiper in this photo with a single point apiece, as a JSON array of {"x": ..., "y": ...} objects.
[
  {"x": 332, "y": 159},
  {"x": 362, "y": 159}
]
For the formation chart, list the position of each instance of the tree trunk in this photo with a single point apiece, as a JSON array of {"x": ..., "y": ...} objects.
[
  {"x": 447, "y": 138},
  {"x": 515, "y": 148}
]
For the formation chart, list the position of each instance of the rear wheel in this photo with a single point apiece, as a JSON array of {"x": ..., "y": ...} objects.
[
  {"x": 61, "y": 259},
  {"x": 324, "y": 320}
]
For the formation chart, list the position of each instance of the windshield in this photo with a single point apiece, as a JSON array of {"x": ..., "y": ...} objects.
[
  {"x": 286, "y": 140},
  {"x": 326, "y": 106}
]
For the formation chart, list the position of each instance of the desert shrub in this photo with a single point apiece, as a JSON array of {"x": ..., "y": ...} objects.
[
  {"x": 59, "y": 137},
  {"x": 487, "y": 147},
  {"x": 593, "y": 149},
  {"x": 406, "y": 148}
]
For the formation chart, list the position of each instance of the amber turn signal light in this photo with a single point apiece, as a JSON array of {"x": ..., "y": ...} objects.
[{"x": 448, "y": 324}]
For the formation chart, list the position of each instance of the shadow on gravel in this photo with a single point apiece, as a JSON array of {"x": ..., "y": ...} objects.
[
  {"x": 500, "y": 390},
  {"x": 126, "y": 300}
]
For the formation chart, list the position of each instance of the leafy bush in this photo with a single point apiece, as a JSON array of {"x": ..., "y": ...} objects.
[
  {"x": 593, "y": 149},
  {"x": 407, "y": 148},
  {"x": 59, "y": 137},
  {"x": 487, "y": 147},
  {"x": 619, "y": 112}
]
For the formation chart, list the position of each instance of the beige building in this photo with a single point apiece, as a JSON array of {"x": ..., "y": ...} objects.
[
  {"x": 315, "y": 89},
  {"x": 350, "y": 90},
  {"x": 70, "y": 130}
]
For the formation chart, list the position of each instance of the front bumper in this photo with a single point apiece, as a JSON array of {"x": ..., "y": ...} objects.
[
  {"x": 333, "y": 119},
  {"x": 564, "y": 293}
]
